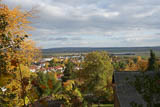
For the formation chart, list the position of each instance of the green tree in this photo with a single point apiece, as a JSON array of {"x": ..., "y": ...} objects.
[
  {"x": 119, "y": 66},
  {"x": 97, "y": 74},
  {"x": 153, "y": 65}
]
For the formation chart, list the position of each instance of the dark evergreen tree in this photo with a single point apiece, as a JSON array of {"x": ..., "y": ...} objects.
[
  {"x": 68, "y": 71},
  {"x": 153, "y": 65}
]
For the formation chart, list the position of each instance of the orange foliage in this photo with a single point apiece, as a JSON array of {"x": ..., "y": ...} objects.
[
  {"x": 142, "y": 65},
  {"x": 50, "y": 84},
  {"x": 43, "y": 86},
  {"x": 131, "y": 66}
]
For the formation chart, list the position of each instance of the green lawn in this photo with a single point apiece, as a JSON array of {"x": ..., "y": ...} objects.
[{"x": 103, "y": 105}]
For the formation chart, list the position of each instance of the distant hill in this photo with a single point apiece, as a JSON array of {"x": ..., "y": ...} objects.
[{"x": 109, "y": 49}]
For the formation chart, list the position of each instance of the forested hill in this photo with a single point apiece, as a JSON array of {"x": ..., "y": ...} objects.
[{"x": 109, "y": 49}]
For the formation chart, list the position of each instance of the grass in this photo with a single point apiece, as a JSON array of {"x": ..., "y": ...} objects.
[{"x": 103, "y": 105}]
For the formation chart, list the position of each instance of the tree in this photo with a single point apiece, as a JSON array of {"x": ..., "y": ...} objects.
[
  {"x": 15, "y": 86},
  {"x": 152, "y": 66},
  {"x": 120, "y": 65},
  {"x": 13, "y": 35},
  {"x": 142, "y": 65},
  {"x": 46, "y": 84},
  {"x": 148, "y": 85},
  {"x": 97, "y": 74},
  {"x": 29, "y": 52},
  {"x": 70, "y": 95},
  {"x": 68, "y": 71}
]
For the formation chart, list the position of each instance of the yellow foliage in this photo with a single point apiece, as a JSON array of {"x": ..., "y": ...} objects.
[
  {"x": 16, "y": 53},
  {"x": 14, "y": 25},
  {"x": 46, "y": 65},
  {"x": 68, "y": 85},
  {"x": 16, "y": 19},
  {"x": 131, "y": 66},
  {"x": 4, "y": 78},
  {"x": 66, "y": 61},
  {"x": 139, "y": 58},
  {"x": 29, "y": 52},
  {"x": 15, "y": 85}
]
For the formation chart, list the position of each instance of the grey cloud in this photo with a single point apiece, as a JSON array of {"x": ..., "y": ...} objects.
[
  {"x": 93, "y": 18},
  {"x": 61, "y": 39},
  {"x": 157, "y": 34},
  {"x": 76, "y": 38},
  {"x": 51, "y": 39}
]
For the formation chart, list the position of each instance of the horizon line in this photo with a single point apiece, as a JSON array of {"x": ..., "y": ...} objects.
[{"x": 106, "y": 47}]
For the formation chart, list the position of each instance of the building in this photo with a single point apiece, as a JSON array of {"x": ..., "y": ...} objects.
[
  {"x": 47, "y": 102},
  {"x": 124, "y": 93}
]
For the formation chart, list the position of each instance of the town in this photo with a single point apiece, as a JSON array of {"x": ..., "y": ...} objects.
[{"x": 79, "y": 53}]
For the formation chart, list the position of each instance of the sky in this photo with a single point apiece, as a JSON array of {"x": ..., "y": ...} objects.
[{"x": 93, "y": 23}]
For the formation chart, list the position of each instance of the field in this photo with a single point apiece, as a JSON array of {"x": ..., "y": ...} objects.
[{"x": 139, "y": 51}]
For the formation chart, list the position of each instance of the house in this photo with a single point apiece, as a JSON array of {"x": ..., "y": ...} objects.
[
  {"x": 46, "y": 59},
  {"x": 59, "y": 76},
  {"x": 59, "y": 68},
  {"x": 33, "y": 68},
  {"x": 47, "y": 102},
  {"x": 124, "y": 93},
  {"x": 50, "y": 69},
  {"x": 43, "y": 70}
]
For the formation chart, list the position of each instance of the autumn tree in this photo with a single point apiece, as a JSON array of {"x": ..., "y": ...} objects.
[
  {"x": 142, "y": 64},
  {"x": 29, "y": 52},
  {"x": 73, "y": 93},
  {"x": 13, "y": 35},
  {"x": 14, "y": 25},
  {"x": 46, "y": 84},
  {"x": 15, "y": 87}
]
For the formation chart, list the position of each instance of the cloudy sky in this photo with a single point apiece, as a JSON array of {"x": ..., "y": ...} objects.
[{"x": 94, "y": 23}]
